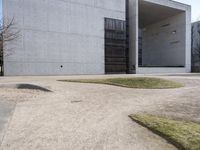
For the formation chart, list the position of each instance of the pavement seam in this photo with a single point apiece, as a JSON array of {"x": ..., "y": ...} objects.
[{"x": 7, "y": 125}]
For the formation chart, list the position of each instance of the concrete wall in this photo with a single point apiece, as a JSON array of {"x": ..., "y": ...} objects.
[
  {"x": 165, "y": 45},
  {"x": 55, "y": 33},
  {"x": 70, "y": 33}
]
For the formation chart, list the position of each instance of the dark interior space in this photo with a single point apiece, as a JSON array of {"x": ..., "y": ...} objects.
[{"x": 115, "y": 46}]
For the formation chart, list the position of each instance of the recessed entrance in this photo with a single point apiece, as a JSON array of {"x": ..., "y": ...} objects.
[{"x": 161, "y": 36}]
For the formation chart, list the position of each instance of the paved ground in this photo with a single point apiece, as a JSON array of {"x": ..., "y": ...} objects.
[
  {"x": 78, "y": 116},
  {"x": 6, "y": 111}
]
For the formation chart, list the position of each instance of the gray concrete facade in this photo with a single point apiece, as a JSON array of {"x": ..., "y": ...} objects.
[
  {"x": 63, "y": 37},
  {"x": 59, "y": 37}
]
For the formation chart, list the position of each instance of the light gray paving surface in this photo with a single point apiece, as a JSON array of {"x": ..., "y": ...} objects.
[
  {"x": 6, "y": 111},
  {"x": 90, "y": 116}
]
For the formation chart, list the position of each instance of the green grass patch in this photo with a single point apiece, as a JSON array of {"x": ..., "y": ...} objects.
[
  {"x": 184, "y": 135},
  {"x": 136, "y": 82}
]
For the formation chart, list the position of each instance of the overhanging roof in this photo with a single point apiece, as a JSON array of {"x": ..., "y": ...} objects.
[{"x": 150, "y": 13}]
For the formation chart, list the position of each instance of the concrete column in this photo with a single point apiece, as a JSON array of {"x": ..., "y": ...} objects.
[
  {"x": 188, "y": 40},
  {"x": 133, "y": 35}
]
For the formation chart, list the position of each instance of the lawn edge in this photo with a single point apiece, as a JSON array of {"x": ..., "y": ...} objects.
[
  {"x": 169, "y": 140},
  {"x": 179, "y": 85}
]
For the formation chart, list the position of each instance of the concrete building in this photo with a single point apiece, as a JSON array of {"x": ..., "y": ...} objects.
[
  {"x": 196, "y": 46},
  {"x": 61, "y": 37}
]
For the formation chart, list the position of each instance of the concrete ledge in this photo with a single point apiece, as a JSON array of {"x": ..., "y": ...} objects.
[{"x": 155, "y": 70}]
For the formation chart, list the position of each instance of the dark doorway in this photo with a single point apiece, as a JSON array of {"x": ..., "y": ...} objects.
[{"x": 116, "y": 60}]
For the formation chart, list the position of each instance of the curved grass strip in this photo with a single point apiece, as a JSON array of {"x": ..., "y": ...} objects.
[
  {"x": 136, "y": 82},
  {"x": 184, "y": 135}
]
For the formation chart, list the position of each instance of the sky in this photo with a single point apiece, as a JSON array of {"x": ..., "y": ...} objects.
[
  {"x": 195, "y": 8},
  {"x": 0, "y": 8},
  {"x": 194, "y": 3}
]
